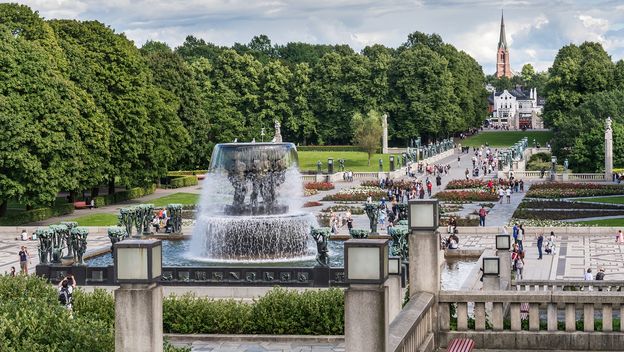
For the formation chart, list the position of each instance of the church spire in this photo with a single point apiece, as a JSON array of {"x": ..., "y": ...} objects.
[{"x": 502, "y": 41}]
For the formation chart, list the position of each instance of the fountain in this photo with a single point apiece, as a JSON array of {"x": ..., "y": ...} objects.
[{"x": 250, "y": 209}]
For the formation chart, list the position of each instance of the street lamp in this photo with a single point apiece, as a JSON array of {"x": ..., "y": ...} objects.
[
  {"x": 503, "y": 242},
  {"x": 138, "y": 261},
  {"x": 394, "y": 265},
  {"x": 423, "y": 214},
  {"x": 366, "y": 261},
  {"x": 491, "y": 266}
]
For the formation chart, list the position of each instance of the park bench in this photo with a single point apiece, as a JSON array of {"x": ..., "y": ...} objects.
[
  {"x": 80, "y": 205},
  {"x": 460, "y": 345}
]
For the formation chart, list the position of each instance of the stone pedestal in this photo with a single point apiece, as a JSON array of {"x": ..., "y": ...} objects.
[
  {"x": 505, "y": 269},
  {"x": 384, "y": 138},
  {"x": 608, "y": 150},
  {"x": 366, "y": 318},
  {"x": 138, "y": 318},
  {"x": 395, "y": 296},
  {"x": 491, "y": 283},
  {"x": 424, "y": 275}
]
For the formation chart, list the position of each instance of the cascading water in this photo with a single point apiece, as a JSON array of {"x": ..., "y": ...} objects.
[{"x": 250, "y": 208}]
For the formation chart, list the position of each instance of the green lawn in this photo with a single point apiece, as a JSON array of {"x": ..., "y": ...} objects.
[
  {"x": 506, "y": 138},
  {"x": 610, "y": 200},
  {"x": 616, "y": 222},
  {"x": 100, "y": 219},
  {"x": 354, "y": 161},
  {"x": 176, "y": 198}
]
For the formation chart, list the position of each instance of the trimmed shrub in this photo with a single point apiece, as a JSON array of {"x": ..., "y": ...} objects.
[
  {"x": 186, "y": 172},
  {"x": 183, "y": 181},
  {"x": 122, "y": 196},
  {"x": 332, "y": 148},
  {"x": 39, "y": 214}
]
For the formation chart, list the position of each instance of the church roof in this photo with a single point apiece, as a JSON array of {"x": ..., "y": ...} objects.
[{"x": 502, "y": 40}]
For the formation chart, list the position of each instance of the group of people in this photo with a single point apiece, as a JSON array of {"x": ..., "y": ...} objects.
[
  {"x": 339, "y": 220},
  {"x": 484, "y": 160},
  {"x": 162, "y": 221}
]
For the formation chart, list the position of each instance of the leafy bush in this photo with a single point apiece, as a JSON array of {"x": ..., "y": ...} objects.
[
  {"x": 186, "y": 172},
  {"x": 122, "y": 196},
  {"x": 319, "y": 186},
  {"x": 39, "y": 214},
  {"x": 281, "y": 311},
  {"x": 180, "y": 181},
  {"x": 31, "y": 319}
]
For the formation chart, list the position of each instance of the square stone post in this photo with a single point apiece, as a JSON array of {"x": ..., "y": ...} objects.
[
  {"x": 505, "y": 269},
  {"x": 424, "y": 267},
  {"x": 366, "y": 318},
  {"x": 138, "y": 318},
  {"x": 395, "y": 296}
]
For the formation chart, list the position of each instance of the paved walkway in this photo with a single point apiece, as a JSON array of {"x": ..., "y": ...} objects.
[
  {"x": 574, "y": 254},
  {"x": 265, "y": 347}
]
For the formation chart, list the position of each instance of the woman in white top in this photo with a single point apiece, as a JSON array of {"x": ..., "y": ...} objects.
[{"x": 588, "y": 275}]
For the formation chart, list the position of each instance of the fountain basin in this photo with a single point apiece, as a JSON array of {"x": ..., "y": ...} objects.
[{"x": 257, "y": 238}]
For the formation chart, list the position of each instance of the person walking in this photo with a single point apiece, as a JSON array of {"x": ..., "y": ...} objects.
[
  {"x": 501, "y": 194},
  {"x": 540, "y": 242},
  {"x": 514, "y": 233},
  {"x": 482, "y": 215},
  {"x": 519, "y": 264},
  {"x": 520, "y": 237},
  {"x": 619, "y": 238},
  {"x": 24, "y": 258},
  {"x": 553, "y": 244},
  {"x": 508, "y": 193}
]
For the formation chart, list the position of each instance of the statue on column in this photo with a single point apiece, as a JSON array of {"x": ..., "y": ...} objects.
[{"x": 278, "y": 133}]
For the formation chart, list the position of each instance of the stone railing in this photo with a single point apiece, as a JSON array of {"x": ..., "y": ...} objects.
[
  {"x": 534, "y": 321},
  {"x": 413, "y": 329},
  {"x": 567, "y": 285},
  {"x": 583, "y": 177}
]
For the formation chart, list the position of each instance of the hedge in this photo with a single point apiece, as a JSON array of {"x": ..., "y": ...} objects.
[
  {"x": 184, "y": 181},
  {"x": 122, "y": 196},
  {"x": 332, "y": 148},
  {"x": 186, "y": 172},
  {"x": 39, "y": 214},
  {"x": 281, "y": 311}
]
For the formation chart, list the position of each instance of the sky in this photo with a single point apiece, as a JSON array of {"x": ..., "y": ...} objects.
[{"x": 536, "y": 29}]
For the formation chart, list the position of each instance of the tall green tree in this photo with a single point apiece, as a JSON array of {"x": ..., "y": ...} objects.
[
  {"x": 174, "y": 75},
  {"x": 274, "y": 96},
  {"x": 367, "y": 132},
  {"x": 111, "y": 69},
  {"x": 53, "y": 137},
  {"x": 302, "y": 124}
]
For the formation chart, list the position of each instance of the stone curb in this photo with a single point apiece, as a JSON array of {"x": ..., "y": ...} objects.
[{"x": 190, "y": 338}]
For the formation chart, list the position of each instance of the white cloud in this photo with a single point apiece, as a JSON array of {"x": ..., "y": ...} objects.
[{"x": 535, "y": 29}]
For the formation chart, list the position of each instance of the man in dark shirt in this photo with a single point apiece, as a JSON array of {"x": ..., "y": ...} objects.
[{"x": 24, "y": 257}]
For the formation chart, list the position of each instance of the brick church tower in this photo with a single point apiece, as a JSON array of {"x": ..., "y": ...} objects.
[{"x": 502, "y": 54}]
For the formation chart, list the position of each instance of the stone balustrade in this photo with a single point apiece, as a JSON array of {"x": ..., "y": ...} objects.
[
  {"x": 414, "y": 328},
  {"x": 567, "y": 285},
  {"x": 550, "y": 322}
]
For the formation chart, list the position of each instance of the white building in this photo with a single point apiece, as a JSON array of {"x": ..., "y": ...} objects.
[{"x": 516, "y": 109}]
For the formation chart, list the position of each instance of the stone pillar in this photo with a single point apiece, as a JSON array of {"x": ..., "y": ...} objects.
[
  {"x": 395, "y": 296},
  {"x": 366, "y": 318},
  {"x": 608, "y": 150},
  {"x": 424, "y": 268},
  {"x": 138, "y": 318},
  {"x": 384, "y": 137},
  {"x": 505, "y": 269},
  {"x": 491, "y": 283}
]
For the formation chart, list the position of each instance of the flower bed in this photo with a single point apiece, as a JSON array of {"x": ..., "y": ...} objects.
[
  {"x": 569, "y": 190},
  {"x": 312, "y": 204},
  {"x": 466, "y": 196},
  {"x": 401, "y": 184},
  {"x": 466, "y": 184},
  {"x": 340, "y": 208},
  {"x": 561, "y": 204},
  {"x": 546, "y": 223},
  {"x": 466, "y": 221},
  {"x": 309, "y": 192},
  {"x": 563, "y": 214},
  {"x": 319, "y": 186},
  {"x": 356, "y": 194}
]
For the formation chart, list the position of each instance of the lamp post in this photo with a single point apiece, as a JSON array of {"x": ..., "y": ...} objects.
[
  {"x": 138, "y": 300},
  {"x": 366, "y": 299},
  {"x": 503, "y": 244},
  {"x": 391, "y": 163},
  {"x": 424, "y": 246},
  {"x": 330, "y": 166}
]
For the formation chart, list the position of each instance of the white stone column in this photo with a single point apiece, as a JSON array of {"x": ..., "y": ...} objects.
[
  {"x": 424, "y": 268},
  {"x": 384, "y": 138},
  {"x": 139, "y": 318},
  {"x": 366, "y": 318},
  {"x": 608, "y": 150},
  {"x": 505, "y": 269}
]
